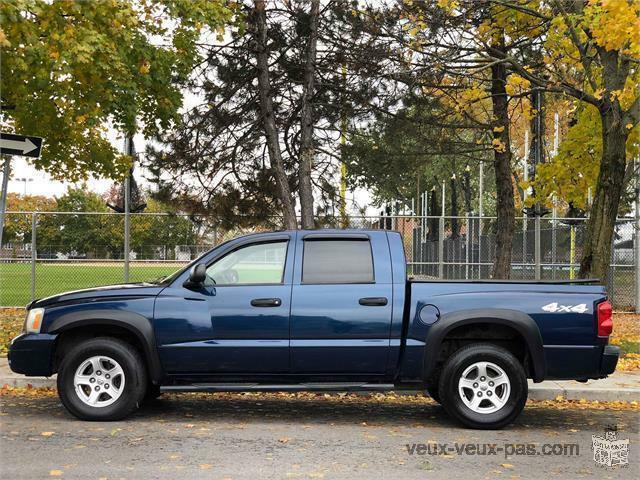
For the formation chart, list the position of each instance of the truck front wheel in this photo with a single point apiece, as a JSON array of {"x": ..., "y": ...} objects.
[
  {"x": 483, "y": 386},
  {"x": 102, "y": 378}
]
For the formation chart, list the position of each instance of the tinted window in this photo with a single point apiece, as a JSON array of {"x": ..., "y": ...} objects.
[
  {"x": 337, "y": 261},
  {"x": 257, "y": 263}
]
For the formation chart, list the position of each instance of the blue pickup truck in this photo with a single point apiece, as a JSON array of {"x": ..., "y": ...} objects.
[{"x": 321, "y": 310}]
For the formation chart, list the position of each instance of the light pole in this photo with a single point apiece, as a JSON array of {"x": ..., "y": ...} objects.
[
  {"x": 25, "y": 180},
  {"x": 6, "y": 171}
]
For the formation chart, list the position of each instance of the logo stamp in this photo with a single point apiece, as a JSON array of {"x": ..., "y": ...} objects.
[{"x": 608, "y": 451}]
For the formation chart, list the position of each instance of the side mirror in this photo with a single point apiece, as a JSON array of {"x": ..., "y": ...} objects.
[{"x": 197, "y": 276}]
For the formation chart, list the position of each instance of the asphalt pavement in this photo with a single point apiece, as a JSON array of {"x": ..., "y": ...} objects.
[{"x": 270, "y": 436}]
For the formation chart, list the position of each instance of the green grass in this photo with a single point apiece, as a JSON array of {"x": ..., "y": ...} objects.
[
  {"x": 628, "y": 346},
  {"x": 15, "y": 278}
]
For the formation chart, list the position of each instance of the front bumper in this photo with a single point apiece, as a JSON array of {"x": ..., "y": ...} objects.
[
  {"x": 31, "y": 354},
  {"x": 609, "y": 360}
]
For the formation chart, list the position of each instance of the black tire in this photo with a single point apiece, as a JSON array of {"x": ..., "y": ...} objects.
[
  {"x": 135, "y": 379},
  {"x": 455, "y": 366}
]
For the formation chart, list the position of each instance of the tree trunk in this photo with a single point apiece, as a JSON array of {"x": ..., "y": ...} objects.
[
  {"x": 272, "y": 136},
  {"x": 306, "y": 120},
  {"x": 596, "y": 254},
  {"x": 505, "y": 208},
  {"x": 434, "y": 209}
]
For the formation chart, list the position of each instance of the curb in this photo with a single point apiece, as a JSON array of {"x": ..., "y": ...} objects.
[{"x": 551, "y": 390}]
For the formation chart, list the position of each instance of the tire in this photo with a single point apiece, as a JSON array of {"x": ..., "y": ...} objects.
[
  {"x": 486, "y": 404},
  {"x": 84, "y": 375}
]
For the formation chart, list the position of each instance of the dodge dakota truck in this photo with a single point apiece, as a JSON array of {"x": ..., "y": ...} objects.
[{"x": 319, "y": 310}]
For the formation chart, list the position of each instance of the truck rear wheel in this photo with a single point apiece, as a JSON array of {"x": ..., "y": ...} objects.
[
  {"x": 483, "y": 386},
  {"x": 102, "y": 378}
]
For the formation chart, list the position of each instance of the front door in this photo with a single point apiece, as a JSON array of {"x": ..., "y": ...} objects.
[
  {"x": 238, "y": 322},
  {"x": 341, "y": 305}
]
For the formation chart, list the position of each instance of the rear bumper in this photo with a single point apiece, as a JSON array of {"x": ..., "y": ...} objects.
[
  {"x": 30, "y": 354},
  {"x": 609, "y": 360},
  {"x": 580, "y": 362}
]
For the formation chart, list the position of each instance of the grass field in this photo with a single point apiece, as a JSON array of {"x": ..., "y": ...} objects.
[{"x": 15, "y": 278}]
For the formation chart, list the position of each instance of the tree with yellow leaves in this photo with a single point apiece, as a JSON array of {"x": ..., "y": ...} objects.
[
  {"x": 592, "y": 53},
  {"x": 467, "y": 44}
]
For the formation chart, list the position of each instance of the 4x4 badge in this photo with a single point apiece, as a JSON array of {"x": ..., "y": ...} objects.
[{"x": 555, "y": 307}]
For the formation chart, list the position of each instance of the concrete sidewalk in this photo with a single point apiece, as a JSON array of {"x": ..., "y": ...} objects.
[{"x": 619, "y": 386}]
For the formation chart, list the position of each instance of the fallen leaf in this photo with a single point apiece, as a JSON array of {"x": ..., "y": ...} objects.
[
  {"x": 47, "y": 434},
  {"x": 506, "y": 465},
  {"x": 56, "y": 473},
  {"x": 205, "y": 466},
  {"x": 283, "y": 440}
]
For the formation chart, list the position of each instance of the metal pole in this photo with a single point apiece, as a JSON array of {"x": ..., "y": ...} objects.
[
  {"x": 418, "y": 212},
  {"x": 441, "y": 235},
  {"x": 554, "y": 214},
  {"x": 441, "y": 249},
  {"x": 3, "y": 195},
  {"x": 127, "y": 213},
  {"x": 524, "y": 198},
  {"x": 127, "y": 220},
  {"x": 537, "y": 248},
  {"x": 467, "y": 247},
  {"x": 34, "y": 254},
  {"x": 636, "y": 242},
  {"x": 423, "y": 219},
  {"x": 480, "y": 214}
]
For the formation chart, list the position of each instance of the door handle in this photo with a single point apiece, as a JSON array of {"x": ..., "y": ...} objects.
[
  {"x": 266, "y": 302},
  {"x": 373, "y": 301}
]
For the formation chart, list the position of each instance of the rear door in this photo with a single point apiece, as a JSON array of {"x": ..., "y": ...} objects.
[{"x": 341, "y": 304}]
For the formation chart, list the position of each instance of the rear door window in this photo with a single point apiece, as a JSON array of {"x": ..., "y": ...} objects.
[{"x": 337, "y": 261}]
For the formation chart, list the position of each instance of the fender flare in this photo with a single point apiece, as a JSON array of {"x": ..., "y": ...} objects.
[
  {"x": 135, "y": 323},
  {"x": 519, "y": 321}
]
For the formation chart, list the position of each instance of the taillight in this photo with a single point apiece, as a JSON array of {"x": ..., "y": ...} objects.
[{"x": 605, "y": 319}]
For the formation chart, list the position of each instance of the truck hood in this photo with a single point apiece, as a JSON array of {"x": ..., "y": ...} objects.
[{"x": 126, "y": 290}]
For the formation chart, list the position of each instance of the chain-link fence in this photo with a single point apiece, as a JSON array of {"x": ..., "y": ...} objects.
[{"x": 79, "y": 250}]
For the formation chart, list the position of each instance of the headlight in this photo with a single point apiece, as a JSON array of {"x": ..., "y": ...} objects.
[{"x": 33, "y": 321}]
